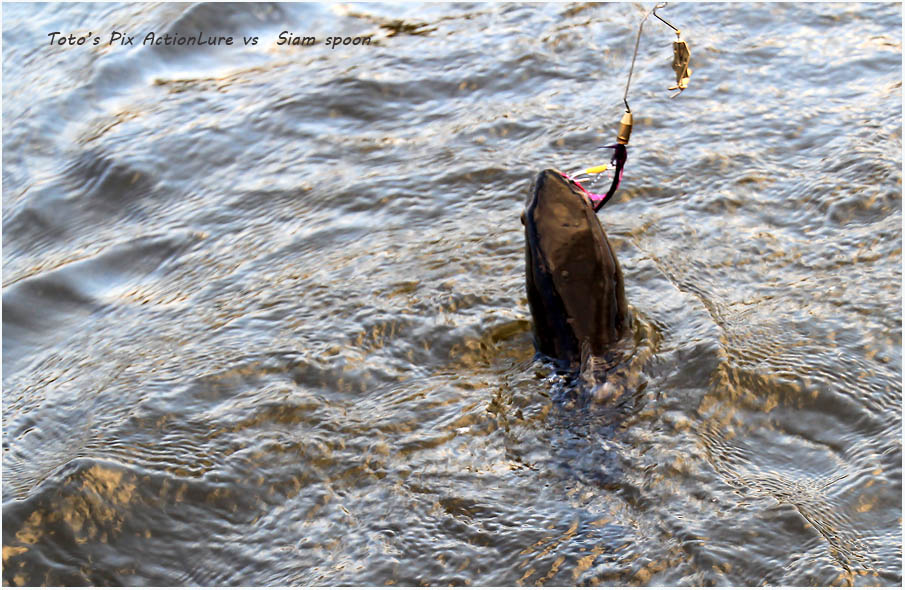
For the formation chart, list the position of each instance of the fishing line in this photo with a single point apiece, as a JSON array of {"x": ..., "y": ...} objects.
[{"x": 635, "y": 54}]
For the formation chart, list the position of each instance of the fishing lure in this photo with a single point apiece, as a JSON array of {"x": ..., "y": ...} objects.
[{"x": 681, "y": 59}]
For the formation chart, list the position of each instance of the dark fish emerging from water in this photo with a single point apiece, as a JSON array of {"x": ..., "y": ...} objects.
[{"x": 575, "y": 286}]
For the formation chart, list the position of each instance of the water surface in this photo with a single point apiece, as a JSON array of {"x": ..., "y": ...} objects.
[{"x": 264, "y": 318}]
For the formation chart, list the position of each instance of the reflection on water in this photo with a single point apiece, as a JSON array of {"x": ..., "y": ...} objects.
[{"x": 264, "y": 318}]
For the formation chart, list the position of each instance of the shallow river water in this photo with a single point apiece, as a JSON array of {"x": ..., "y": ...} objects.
[{"x": 264, "y": 313}]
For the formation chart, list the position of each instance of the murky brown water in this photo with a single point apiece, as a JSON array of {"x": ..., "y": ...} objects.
[{"x": 264, "y": 318}]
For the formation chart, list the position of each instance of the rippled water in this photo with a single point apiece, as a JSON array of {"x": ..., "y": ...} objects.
[{"x": 264, "y": 318}]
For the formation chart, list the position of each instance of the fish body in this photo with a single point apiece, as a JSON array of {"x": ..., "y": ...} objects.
[{"x": 575, "y": 286}]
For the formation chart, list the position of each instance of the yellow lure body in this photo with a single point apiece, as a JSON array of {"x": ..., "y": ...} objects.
[{"x": 596, "y": 169}]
